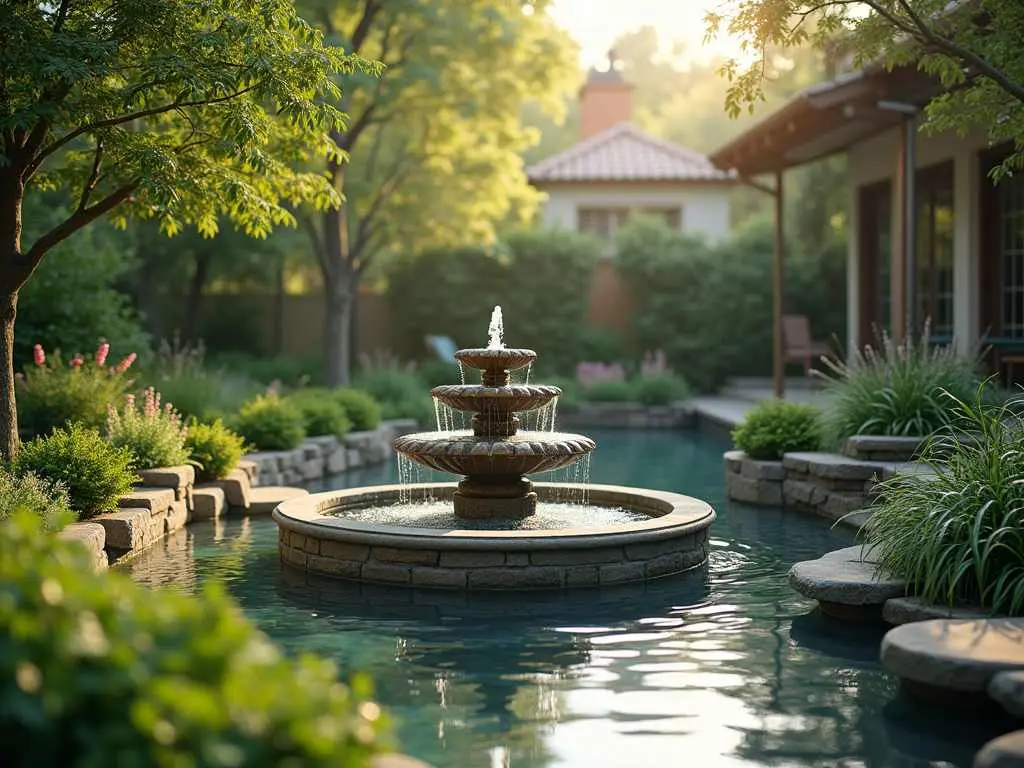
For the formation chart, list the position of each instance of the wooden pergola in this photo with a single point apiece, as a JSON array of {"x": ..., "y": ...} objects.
[{"x": 819, "y": 122}]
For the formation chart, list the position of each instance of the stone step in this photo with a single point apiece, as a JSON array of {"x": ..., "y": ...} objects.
[
  {"x": 154, "y": 499},
  {"x": 93, "y": 537},
  {"x": 208, "y": 502},
  {"x": 265, "y": 498},
  {"x": 904, "y": 610},
  {"x": 1007, "y": 688},
  {"x": 884, "y": 448},
  {"x": 844, "y": 585},
  {"x": 1005, "y": 752},
  {"x": 833, "y": 466}
]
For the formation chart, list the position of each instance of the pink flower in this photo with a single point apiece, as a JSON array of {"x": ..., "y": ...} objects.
[
  {"x": 38, "y": 355},
  {"x": 126, "y": 363},
  {"x": 76, "y": 361},
  {"x": 101, "y": 353}
]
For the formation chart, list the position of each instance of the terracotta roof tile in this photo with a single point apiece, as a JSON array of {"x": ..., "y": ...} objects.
[{"x": 626, "y": 153}]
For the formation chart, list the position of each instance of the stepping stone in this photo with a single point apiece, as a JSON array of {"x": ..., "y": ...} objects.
[
  {"x": 263, "y": 499},
  {"x": 904, "y": 610},
  {"x": 1007, "y": 688},
  {"x": 844, "y": 585},
  {"x": 961, "y": 655},
  {"x": 1005, "y": 752}
]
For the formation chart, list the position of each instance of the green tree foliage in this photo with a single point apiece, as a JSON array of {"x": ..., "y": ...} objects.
[
  {"x": 436, "y": 142},
  {"x": 541, "y": 279},
  {"x": 171, "y": 110},
  {"x": 707, "y": 306},
  {"x": 972, "y": 47}
]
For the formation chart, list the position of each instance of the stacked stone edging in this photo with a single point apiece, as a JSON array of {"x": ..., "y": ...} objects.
[
  {"x": 627, "y": 416},
  {"x": 168, "y": 497},
  {"x": 327, "y": 455},
  {"x": 883, "y": 448}
]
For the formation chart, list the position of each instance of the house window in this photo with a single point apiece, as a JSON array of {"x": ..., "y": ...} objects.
[
  {"x": 1011, "y": 214},
  {"x": 605, "y": 222},
  {"x": 934, "y": 221}
]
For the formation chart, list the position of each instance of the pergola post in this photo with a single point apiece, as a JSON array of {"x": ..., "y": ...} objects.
[
  {"x": 901, "y": 225},
  {"x": 778, "y": 259}
]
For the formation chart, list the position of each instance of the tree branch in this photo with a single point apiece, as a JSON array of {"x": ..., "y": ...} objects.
[
  {"x": 122, "y": 119},
  {"x": 362, "y": 30},
  {"x": 62, "y": 15},
  {"x": 309, "y": 226},
  {"x": 951, "y": 48},
  {"x": 30, "y": 259},
  {"x": 94, "y": 174}
]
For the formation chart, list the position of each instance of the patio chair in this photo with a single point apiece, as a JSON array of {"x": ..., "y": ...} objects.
[
  {"x": 443, "y": 347},
  {"x": 797, "y": 344}
]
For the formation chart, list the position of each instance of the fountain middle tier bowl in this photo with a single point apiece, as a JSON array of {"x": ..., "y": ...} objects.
[
  {"x": 496, "y": 358},
  {"x": 512, "y": 398},
  {"x": 462, "y": 453},
  {"x": 333, "y": 534}
]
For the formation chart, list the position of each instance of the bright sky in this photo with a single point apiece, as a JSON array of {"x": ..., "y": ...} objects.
[{"x": 596, "y": 23}]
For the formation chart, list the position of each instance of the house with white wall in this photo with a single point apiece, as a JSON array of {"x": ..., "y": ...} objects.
[
  {"x": 617, "y": 170},
  {"x": 931, "y": 236}
]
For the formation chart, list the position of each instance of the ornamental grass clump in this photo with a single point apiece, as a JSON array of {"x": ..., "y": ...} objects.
[
  {"x": 957, "y": 533},
  {"x": 775, "y": 427},
  {"x": 896, "y": 389},
  {"x": 95, "y": 473},
  {"x": 153, "y": 433},
  {"x": 96, "y": 670},
  {"x": 51, "y": 393}
]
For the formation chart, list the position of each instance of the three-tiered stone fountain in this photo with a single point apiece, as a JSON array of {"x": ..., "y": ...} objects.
[{"x": 506, "y": 532}]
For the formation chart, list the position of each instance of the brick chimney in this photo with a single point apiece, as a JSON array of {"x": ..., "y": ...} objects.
[{"x": 606, "y": 99}]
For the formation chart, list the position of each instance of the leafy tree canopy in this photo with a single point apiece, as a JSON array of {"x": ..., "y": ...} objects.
[{"x": 972, "y": 46}]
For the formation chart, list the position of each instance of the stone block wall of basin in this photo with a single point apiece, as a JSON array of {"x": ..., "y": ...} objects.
[{"x": 626, "y": 416}]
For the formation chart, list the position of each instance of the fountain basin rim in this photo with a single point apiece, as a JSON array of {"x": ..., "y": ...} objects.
[{"x": 673, "y": 515}]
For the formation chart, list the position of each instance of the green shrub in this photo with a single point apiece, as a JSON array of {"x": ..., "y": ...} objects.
[
  {"x": 270, "y": 423},
  {"x": 154, "y": 434},
  {"x": 321, "y": 414},
  {"x": 214, "y": 448},
  {"x": 363, "y": 411},
  {"x": 659, "y": 389},
  {"x": 95, "y": 473},
  {"x": 44, "y": 498},
  {"x": 956, "y": 533},
  {"x": 608, "y": 391},
  {"x": 51, "y": 392},
  {"x": 96, "y": 670},
  {"x": 400, "y": 393},
  {"x": 896, "y": 389},
  {"x": 775, "y": 427}
]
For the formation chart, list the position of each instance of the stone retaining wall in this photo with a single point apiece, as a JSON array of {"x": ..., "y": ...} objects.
[
  {"x": 626, "y": 416},
  {"x": 882, "y": 448},
  {"x": 168, "y": 497}
]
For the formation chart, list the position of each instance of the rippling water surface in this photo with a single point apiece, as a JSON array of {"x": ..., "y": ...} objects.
[{"x": 724, "y": 667}]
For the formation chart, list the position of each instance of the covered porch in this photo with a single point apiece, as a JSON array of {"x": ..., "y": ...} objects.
[{"x": 930, "y": 237}]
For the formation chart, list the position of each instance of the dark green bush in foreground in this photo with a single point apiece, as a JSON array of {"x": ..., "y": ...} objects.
[
  {"x": 958, "y": 534},
  {"x": 775, "y": 427},
  {"x": 95, "y": 473},
  {"x": 214, "y": 448},
  {"x": 96, "y": 670},
  {"x": 270, "y": 423}
]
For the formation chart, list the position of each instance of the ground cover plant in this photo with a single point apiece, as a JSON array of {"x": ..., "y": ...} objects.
[{"x": 775, "y": 427}]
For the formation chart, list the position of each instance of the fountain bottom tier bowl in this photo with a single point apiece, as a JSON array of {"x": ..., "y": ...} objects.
[{"x": 620, "y": 535}]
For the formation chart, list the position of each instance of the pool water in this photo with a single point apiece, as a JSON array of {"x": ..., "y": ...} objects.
[{"x": 722, "y": 667}]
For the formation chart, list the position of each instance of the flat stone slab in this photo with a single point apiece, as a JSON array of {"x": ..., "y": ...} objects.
[
  {"x": 93, "y": 537},
  {"x": 208, "y": 502},
  {"x": 153, "y": 499},
  {"x": 168, "y": 477},
  {"x": 956, "y": 654},
  {"x": 1007, "y": 688},
  {"x": 842, "y": 577},
  {"x": 904, "y": 610},
  {"x": 832, "y": 466},
  {"x": 263, "y": 499},
  {"x": 1005, "y": 752}
]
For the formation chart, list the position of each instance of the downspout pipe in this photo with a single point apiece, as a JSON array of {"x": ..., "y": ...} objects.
[{"x": 910, "y": 114}]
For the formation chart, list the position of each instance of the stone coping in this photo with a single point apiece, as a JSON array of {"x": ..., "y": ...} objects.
[{"x": 672, "y": 515}]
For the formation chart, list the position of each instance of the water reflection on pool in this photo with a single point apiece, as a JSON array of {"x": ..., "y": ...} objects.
[{"x": 722, "y": 667}]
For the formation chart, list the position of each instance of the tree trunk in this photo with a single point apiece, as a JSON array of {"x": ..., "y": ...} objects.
[
  {"x": 8, "y": 405},
  {"x": 337, "y": 329},
  {"x": 194, "y": 300},
  {"x": 278, "y": 342}
]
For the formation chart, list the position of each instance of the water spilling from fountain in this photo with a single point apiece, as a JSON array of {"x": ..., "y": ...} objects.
[{"x": 496, "y": 528}]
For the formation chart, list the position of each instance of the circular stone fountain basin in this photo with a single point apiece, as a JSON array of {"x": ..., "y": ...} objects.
[
  {"x": 477, "y": 398},
  {"x": 524, "y": 453},
  {"x": 670, "y": 537}
]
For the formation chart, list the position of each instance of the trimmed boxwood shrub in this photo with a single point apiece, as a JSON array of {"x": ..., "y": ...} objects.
[
  {"x": 270, "y": 423},
  {"x": 362, "y": 410},
  {"x": 659, "y": 389},
  {"x": 775, "y": 427},
  {"x": 214, "y": 448},
  {"x": 95, "y": 473},
  {"x": 321, "y": 414},
  {"x": 96, "y": 670}
]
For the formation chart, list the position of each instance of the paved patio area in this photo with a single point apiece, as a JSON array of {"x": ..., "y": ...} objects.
[{"x": 731, "y": 405}]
